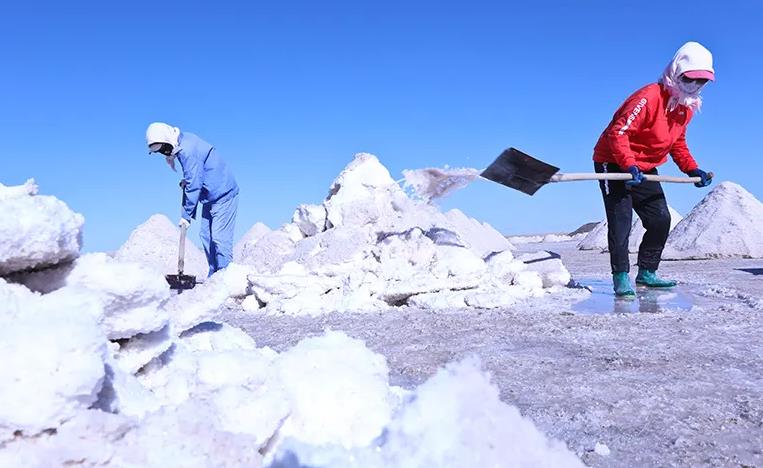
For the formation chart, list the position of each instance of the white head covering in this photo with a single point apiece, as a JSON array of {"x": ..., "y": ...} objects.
[
  {"x": 159, "y": 132},
  {"x": 692, "y": 56}
]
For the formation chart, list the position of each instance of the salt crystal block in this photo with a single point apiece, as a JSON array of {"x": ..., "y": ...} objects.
[
  {"x": 339, "y": 391},
  {"x": 55, "y": 362},
  {"x": 37, "y": 232},
  {"x": 311, "y": 219}
]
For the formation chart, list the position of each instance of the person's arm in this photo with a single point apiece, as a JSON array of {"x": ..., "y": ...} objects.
[
  {"x": 681, "y": 155},
  {"x": 193, "y": 175},
  {"x": 627, "y": 121}
]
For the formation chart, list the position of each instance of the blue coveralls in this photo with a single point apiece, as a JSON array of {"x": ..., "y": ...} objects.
[{"x": 210, "y": 182}]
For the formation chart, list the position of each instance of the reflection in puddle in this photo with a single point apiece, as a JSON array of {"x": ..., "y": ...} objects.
[{"x": 648, "y": 300}]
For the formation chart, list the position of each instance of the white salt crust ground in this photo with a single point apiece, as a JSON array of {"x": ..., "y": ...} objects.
[{"x": 672, "y": 388}]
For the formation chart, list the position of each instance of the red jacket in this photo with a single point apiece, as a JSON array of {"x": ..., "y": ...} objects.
[{"x": 642, "y": 132}]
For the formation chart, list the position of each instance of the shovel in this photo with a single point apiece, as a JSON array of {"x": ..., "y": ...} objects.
[
  {"x": 522, "y": 172},
  {"x": 180, "y": 281}
]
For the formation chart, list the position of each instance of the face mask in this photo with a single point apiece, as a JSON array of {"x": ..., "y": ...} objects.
[
  {"x": 689, "y": 86},
  {"x": 163, "y": 148}
]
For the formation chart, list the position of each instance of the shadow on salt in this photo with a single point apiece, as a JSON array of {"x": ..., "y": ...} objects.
[{"x": 648, "y": 300}]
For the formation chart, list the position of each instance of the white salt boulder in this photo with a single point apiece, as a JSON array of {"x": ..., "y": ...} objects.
[
  {"x": 363, "y": 193},
  {"x": 87, "y": 439},
  {"x": 212, "y": 336},
  {"x": 201, "y": 304},
  {"x": 15, "y": 299},
  {"x": 155, "y": 244},
  {"x": 122, "y": 393},
  {"x": 36, "y": 231},
  {"x": 236, "y": 380},
  {"x": 251, "y": 236},
  {"x": 130, "y": 294},
  {"x": 53, "y": 367},
  {"x": 269, "y": 252},
  {"x": 549, "y": 266},
  {"x": 338, "y": 391},
  {"x": 141, "y": 349},
  {"x": 728, "y": 222},
  {"x": 429, "y": 430},
  {"x": 187, "y": 435},
  {"x": 335, "y": 251},
  {"x": 311, "y": 219}
]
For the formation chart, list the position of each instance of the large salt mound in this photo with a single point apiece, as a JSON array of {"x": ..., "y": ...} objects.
[
  {"x": 155, "y": 245},
  {"x": 251, "y": 236},
  {"x": 728, "y": 222},
  {"x": 369, "y": 246},
  {"x": 36, "y": 231},
  {"x": 597, "y": 238}
]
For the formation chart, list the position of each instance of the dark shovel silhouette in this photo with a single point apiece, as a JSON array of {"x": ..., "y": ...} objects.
[
  {"x": 181, "y": 282},
  {"x": 523, "y": 172}
]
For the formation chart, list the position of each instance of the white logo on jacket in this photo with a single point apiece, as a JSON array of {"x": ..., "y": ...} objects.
[{"x": 632, "y": 117}]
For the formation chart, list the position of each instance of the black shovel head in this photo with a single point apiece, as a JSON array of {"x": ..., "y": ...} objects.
[
  {"x": 519, "y": 171},
  {"x": 181, "y": 282}
]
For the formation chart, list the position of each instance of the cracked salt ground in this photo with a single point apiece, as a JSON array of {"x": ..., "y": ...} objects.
[{"x": 603, "y": 301}]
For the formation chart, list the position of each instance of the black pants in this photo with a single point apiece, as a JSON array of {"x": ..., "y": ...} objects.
[{"x": 648, "y": 200}]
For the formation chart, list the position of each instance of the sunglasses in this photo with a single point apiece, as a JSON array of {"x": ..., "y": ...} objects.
[{"x": 686, "y": 79}]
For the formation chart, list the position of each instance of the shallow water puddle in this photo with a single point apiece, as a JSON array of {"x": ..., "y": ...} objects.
[{"x": 648, "y": 300}]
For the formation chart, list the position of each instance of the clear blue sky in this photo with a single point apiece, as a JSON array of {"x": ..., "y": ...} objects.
[{"x": 289, "y": 91}]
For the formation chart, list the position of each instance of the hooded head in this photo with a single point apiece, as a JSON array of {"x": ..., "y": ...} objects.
[
  {"x": 686, "y": 74},
  {"x": 158, "y": 136}
]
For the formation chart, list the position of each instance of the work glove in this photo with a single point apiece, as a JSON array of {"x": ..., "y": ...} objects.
[
  {"x": 705, "y": 178},
  {"x": 638, "y": 177},
  {"x": 183, "y": 223}
]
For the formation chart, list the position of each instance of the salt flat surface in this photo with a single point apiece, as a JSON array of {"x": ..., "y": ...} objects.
[{"x": 672, "y": 388}]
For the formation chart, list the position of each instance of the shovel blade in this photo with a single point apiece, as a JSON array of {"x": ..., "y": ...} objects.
[
  {"x": 181, "y": 282},
  {"x": 519, "y": 171}
]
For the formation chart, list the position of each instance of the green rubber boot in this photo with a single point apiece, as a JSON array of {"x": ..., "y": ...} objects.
[
  {"x": 622, "y": 284},
  {"x": 650, "y": 279}
]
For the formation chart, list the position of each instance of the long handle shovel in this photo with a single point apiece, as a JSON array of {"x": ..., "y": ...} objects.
[
  {"x": 180, "y": 281},
  {"x": 522, "y": 172}
]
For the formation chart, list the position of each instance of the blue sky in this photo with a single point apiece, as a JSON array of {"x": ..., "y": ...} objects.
[{"x": 289, "y": 91}]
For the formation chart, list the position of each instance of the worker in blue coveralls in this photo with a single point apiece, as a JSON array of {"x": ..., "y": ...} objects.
[{"x": 208, "y": 181}]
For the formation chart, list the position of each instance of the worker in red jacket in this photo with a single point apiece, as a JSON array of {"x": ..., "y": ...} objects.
[{"x": 647, "y": 127}]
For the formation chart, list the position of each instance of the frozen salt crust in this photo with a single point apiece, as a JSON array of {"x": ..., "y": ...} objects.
[{"x": 109, "y": 368}]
